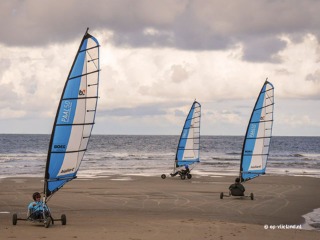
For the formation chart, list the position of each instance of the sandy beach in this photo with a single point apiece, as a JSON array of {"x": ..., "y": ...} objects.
[{"x": 135, "y": 207}]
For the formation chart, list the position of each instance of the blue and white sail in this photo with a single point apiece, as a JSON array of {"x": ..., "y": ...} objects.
[
  {"x": 75, "y": 117},
  {"x": 256, "y": 144},
  {"x": 188, "y": 150}
]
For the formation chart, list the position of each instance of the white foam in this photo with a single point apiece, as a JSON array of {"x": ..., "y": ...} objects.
[
  {"x": 121, "y": 179},
  {"x": 312, "y": 220}
]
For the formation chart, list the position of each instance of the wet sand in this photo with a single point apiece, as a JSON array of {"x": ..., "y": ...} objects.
[{"x": 135, "y": 207}]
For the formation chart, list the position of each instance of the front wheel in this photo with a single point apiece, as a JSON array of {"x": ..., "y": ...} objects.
[
  {"x": 47, "y": 222},
  {"x": 183, "y": 177},
  {"x": 251, "y": 196},
  {"x": 221, "y": 195},
  {"x": 14, "y": 219},
  {"x": 189, "y": 176},
  {"x": 163, "y": 176},
  {"x": 52, "y": 220},
  {"x": 63, "y": 219}
]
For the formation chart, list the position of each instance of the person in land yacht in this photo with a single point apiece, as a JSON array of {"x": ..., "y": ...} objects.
[
  {"x": 182, "y": 171},
  {"x": 37, "y": 209},
  {"x": 237, "y": 189}
]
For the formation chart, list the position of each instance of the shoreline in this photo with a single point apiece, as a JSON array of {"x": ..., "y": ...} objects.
[
  {"x": 230, "y": 173},
  {"x": 138, "y": 207}
]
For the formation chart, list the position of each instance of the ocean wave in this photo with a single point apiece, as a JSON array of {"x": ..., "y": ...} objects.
[
  {"x": 297, "y": 155},
  {"x": 233, "y": 153}
]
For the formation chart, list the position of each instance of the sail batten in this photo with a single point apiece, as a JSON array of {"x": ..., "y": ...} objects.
[
  {"x": 256, "y": 144},
  {"x": 82, "y": 75},
  {"x": 84, "y": 50},
  {"x": 74, "y": 124},
  {"x": 78, "y": 98},
  {"x": 80, "y": 150},
  {"x": 75, "y": 117}
]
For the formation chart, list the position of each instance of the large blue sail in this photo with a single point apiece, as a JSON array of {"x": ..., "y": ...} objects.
[
  {"x": 189, "y": 143},
  {"x": 256, "y": 145},
  {"x": 75, "y": 117}
]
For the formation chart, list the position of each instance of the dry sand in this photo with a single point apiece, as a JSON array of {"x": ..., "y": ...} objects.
[{"x": 135, "y": 207}]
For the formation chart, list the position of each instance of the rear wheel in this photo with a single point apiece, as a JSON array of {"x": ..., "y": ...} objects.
[
  {"x": 52, "y": 220},
  {"x": 47, "y": 222},
  {"x": 63, "y": 219},
  {"x": 251, "y": 196},
  {"x": 221, "y": 195},
  {"x": 14, "y": 219},
  {"x": 163, "y": 176},
  {"x": 189, "y": 176}
]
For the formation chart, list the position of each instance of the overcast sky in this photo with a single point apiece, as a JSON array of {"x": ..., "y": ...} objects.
[{"x": 157, "y": 57}]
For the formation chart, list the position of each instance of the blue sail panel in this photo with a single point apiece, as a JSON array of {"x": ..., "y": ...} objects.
[
  {"x": 189, "y": 142},
  {"x": 257, "y": 140},
  {"x": 75, "y": 117}
]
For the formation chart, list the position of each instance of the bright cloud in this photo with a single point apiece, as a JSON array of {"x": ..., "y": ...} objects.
[{"x": 160, "y": 56}]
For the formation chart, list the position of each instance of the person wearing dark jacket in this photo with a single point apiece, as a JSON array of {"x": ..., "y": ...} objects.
[{"x": 237, "y": 188}]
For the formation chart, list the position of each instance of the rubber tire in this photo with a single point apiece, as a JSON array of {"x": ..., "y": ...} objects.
[
  {"x": 221, "y": 195},
  {"x": 47, "y": 223},
  {"x": 163, "y": 176},
  {"x": 183, "y": 177},
  {"x": 14, "y": 219},
  {"x": 189, "y": 176},
  {"x": 251, "y": 196},
  {"x": 63, "y": 219}
]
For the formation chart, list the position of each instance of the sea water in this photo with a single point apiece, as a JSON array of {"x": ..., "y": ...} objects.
[
  {"x": 25, "y": 155},
  {"x": 108, "y": 155}
]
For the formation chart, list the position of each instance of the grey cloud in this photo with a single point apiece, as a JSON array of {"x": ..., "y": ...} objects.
[
  {"x": 179, "y": 73},
  {"x": 314, "y": 77},
  {"x": 188, "y": 25},
  {"x": 262, "y": 49},
  {"x": 4, "y": 65},
  {"x": 136, "y": 112},
  {"x": 282, "y": 71},
  {"x": 9, "y": 98},
  {"x": 179, "y": 113},
  {"x": 148, "y": 110}
]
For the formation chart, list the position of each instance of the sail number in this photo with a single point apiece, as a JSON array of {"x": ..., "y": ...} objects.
[
  {"x": 66, "y": 110},
  {"x": 252, "y": 131},
  {"x": 82, "y": 92}
]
